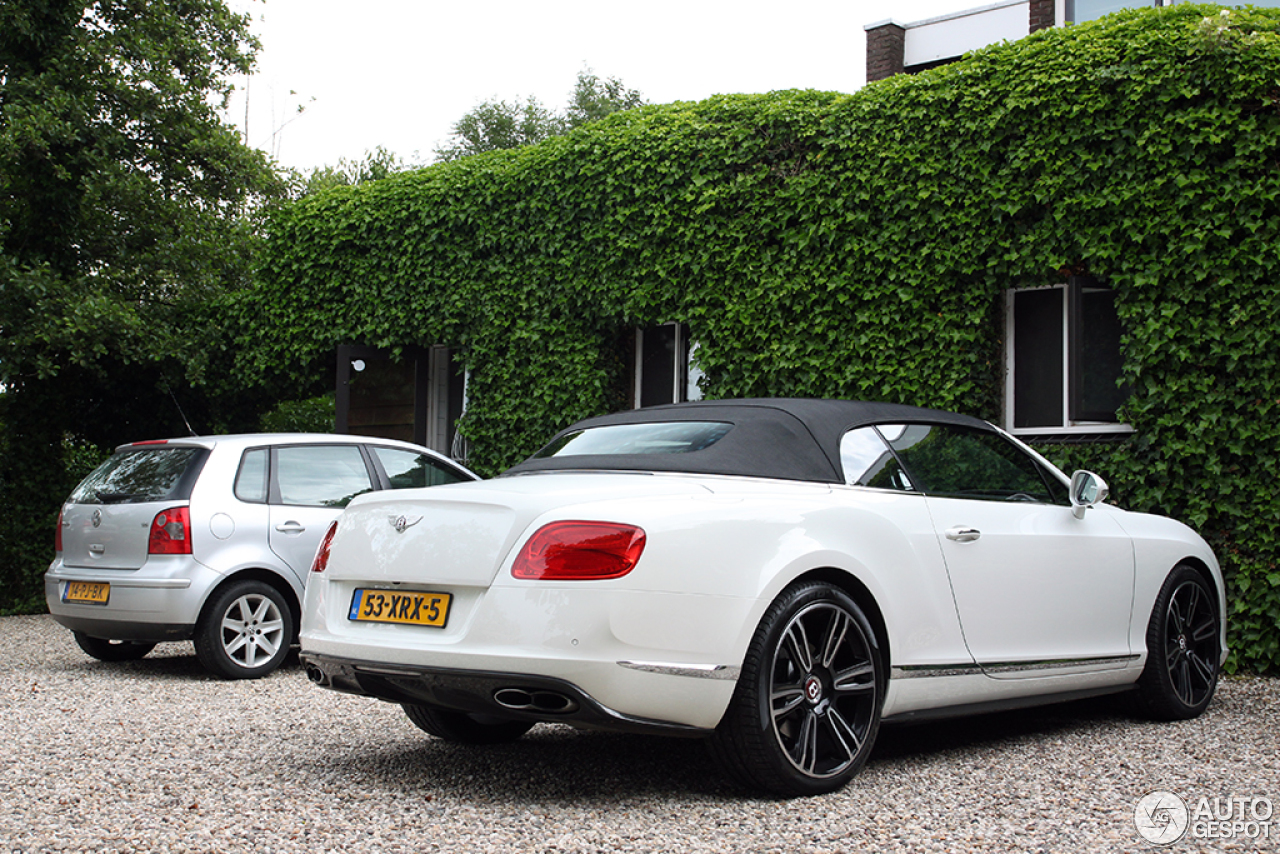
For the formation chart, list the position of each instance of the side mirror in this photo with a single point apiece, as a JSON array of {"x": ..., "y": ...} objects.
[{"x": 1087, "y": 489}]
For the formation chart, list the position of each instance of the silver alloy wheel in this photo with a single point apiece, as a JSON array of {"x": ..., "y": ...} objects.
[
  {"x": 823, "y": 690},
  {"x": 253, "y": 630},
  {"x": 1191, "y": 643}
]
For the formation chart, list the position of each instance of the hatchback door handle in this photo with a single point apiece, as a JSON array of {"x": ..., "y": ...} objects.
[
  {"x": 963, "y": 535},
  {"x": 291, "y": 528}
]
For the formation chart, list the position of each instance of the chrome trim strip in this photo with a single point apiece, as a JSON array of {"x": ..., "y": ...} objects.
[
  {"x": 916, "y": 671},
  {"x": 1058, "y": 664},
  {"x": 698, "y": 671}
]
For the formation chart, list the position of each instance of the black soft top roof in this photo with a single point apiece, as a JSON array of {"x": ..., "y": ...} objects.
[{"x": 786, "y": 438}]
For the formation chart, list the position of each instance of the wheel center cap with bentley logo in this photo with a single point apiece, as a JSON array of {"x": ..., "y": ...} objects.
[
  {"x": 402, "y": 522},
  {"x": 813, "y": 689}
]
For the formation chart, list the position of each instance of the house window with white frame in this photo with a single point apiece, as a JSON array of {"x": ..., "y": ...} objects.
[
  {"x": 1080, "y": 11},
  {"x": 664, "y": 366},
  {"x": 1063, "y": 359}
]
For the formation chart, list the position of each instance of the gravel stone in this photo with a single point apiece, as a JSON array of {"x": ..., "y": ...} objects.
[{"x": 158, "y": 756}]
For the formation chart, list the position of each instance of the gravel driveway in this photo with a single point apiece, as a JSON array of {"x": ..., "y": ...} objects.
[{"x": 156, "y": 755}]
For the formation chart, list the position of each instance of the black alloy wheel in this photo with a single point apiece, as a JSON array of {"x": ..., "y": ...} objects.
[
  {"x": 806, "y": 710},
  {"x": 1184, "y": 648}
]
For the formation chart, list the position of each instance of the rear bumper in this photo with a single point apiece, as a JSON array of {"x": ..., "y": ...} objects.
[
  {"x": 160, "y": 601},
  {"x": 511, "y": 695},
  {"x": 633, "y": 655}
]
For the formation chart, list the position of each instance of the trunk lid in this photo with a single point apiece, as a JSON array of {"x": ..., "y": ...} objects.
[{"x": 461, "y": 534}]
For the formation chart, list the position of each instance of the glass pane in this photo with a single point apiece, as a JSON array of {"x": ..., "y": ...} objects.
[
  {"x": 658, "y": 365},
  {"x": 867, "y": 461},
  {"x": 321, "y": 475},
  {"x": 681, "y": 437},
  {"x": 383, "y": 393},
  {"x": 1096, "y": 394},
  {"x": 1088, "y": 10},
  {"x": 153, "y": 474},
  {"x": 251, "y": 480},
  {"x": 407, "y": 470},
  {"x": 962, "y": 463},
  {"x": 1037, "y": 358}
]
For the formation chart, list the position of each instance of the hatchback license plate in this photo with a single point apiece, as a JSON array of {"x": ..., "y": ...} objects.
[
  {"x": 392, "y": 606},
  {"x": 87, "y": 592}
]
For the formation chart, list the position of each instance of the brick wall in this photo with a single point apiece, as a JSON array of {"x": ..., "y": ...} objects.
[
  {"x": 1041, "y": 14},
  {"x": 884, "y": 51}
]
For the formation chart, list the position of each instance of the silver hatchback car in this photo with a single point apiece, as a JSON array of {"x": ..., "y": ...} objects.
[{"x": 211, "y": 539}]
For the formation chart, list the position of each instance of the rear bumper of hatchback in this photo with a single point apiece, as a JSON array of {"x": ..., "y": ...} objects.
[{"x": 159, "y": 601}]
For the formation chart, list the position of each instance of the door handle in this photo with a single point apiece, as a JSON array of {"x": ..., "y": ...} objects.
[
  {"x": 291, "y": 528},
  {"x": 963, "y": 535}
]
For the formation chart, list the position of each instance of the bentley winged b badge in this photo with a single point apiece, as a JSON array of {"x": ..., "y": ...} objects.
[{"x": 402, "y": 522}]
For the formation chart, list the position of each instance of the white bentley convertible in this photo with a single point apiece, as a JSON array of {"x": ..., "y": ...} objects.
[{"x": 777, "y": 576}]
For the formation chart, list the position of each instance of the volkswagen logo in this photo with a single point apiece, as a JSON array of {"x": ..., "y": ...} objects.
[{"x": 97, "y": 518}]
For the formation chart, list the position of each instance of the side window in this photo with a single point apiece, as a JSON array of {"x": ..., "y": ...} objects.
[
  {"x": 963, "y": 463},
  {"x": 867, "y": 461},
  {"x": 321, "y": 475},
  {"x": 408, "y": 470},
  {"x": 251, "y": 480}
]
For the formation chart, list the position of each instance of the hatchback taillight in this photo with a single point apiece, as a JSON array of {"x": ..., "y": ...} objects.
[
  {"x": 580, "y": 551},
  {"x": 321, "y": 560},
  {"x": 170, "y": 532},
  {"x": 57, "y": 535}
]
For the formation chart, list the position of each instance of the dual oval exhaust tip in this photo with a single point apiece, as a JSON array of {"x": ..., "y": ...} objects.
[{"x": 534, "y": 700}]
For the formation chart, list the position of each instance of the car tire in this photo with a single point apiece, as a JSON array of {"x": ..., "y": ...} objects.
[
  {"x": 806, "y": 709},
  {"x": 1184, "y": 648},
  {"x": 112, "y": 650},
  {"x": 245, "y": 632},
  {"x": 465, "y": 727}
]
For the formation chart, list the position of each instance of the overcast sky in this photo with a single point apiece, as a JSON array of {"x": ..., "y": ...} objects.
[{"x": 399, "y": 73}]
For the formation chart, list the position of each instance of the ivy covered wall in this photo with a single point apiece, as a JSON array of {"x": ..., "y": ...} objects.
[{"x": 859, "y": 246}]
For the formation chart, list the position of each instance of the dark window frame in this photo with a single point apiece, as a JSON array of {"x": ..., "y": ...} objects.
[
  {"x": 1061, "y": 368},
  {"x": 677, "y": 380}
]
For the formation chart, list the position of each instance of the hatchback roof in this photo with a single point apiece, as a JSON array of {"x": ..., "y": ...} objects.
[{"x": 247, "y": 440}]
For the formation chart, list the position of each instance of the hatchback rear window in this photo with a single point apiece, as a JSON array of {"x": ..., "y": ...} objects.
[
  {"x": 146, "y": 474},
  {"x": 675, "y": 437}
]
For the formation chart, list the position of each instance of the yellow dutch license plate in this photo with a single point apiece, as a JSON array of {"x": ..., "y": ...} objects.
[
  {"x": 410, "y": 607},
  {"x": 87, "y": 592}
]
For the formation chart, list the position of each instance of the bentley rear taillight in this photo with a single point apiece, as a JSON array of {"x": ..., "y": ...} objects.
[
  {"x": 580, "y": 551},
  {"x": 321, "y": 560},
  {"x": 170, "y": 532}
]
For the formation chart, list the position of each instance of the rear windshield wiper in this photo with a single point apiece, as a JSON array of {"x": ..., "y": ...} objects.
[{"x": 115, "y": 497}]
